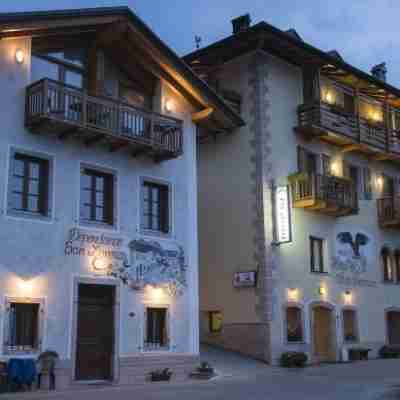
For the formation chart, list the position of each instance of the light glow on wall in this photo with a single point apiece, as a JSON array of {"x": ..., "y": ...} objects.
[
  {"x": 293, "y": 294},
  {"x": 19, "y": 56},
  {"x": 155, "y": 293},
  {"x": 322, "y": 291},
  {"x": 379, "y": 182},
  {"x": 348, "y": 297},
  {"x": 335, "y": 168},
  {"x": 25, "y": 286},
  {"x": 169, "y": 105}
]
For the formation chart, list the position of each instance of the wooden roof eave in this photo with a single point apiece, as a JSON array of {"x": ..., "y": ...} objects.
[
  {"x": 294, "y": 51},
  {"x": 164, "y": 60}
]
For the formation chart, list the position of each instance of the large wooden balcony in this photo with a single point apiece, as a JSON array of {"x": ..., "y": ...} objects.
[
  {"x": 329, "y": 195},
  {"x": 389, "y": 212},
  {"x": 55, "y": 108},
  {"x": 350, "y": 131}
]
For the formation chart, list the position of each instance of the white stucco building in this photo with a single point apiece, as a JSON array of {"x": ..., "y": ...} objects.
[
  {"x": 98, "y": 186},
  {"x": 327, "y": 267}
]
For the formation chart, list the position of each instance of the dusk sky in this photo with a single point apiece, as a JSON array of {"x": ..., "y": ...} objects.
[{"x": 365, "y": 32}]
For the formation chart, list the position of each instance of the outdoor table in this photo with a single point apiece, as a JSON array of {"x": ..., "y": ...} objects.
[{"x": 21, "y": 371}]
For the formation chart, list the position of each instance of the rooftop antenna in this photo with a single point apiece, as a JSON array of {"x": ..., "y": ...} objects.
[{"x": 198, "y": 40}]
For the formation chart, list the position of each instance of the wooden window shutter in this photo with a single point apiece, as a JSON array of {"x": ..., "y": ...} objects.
[
  {"x": 367, "y": 183},
  {"x": 164, "y": 208},
  {"x": 44, "y": 187},
  {"x": 346, "y": 169},
  {"x": 301, "y": 159},
  {"x": 326, "y": 164},
  {"x": 109, "y": 196}
]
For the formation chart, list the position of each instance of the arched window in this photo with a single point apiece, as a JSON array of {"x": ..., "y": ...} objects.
[
  {"x": 294, "y": 324},
  {"x": 387, "y": 265},
  {"x": 350, "y": 330}
]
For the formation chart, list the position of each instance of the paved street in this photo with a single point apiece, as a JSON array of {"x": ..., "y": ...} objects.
[{"x": 241, "y": 378}]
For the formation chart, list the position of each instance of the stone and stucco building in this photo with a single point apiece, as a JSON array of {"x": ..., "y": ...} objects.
[
  {"x": 98, "y": 183},
  {"x": 328, "y": 263}
]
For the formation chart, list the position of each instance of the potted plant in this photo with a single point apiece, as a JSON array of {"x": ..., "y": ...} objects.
[{"x": 161, "y": 375}]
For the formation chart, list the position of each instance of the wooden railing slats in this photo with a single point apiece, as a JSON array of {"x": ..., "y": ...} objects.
[
  {"x": 352, "y": 126},
  {"x": 55, "y": 100}
]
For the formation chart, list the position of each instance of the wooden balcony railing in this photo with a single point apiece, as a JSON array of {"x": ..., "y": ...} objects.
[
  {"x": 389, "y": 212},
  {"x": 343, "y": 128},
  {"x": 64, "y": 110},
  {"x": 326, "y": 194}
]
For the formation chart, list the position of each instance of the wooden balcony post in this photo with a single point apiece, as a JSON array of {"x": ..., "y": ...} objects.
[
  {"x": 84, "y": 109},
  {"x": 152, "y": 139},
  {"x": 45, "y": 100},
  {"x": 387, "y": 124}
]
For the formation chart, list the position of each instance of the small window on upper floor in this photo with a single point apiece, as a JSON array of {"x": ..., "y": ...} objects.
[
  {"x": 307, "y": 161},
  {"x": 97, "y": 197},
  {"x": 317, "y": 255},
  {"x": 155, "y": 207},
  {"x": 29, "y": 192}
]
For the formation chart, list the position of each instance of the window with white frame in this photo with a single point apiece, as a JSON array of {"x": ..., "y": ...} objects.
[
  {"x": 97, "y": 196},
  {"x": 156, "y": 331},
  {"x": 23, "y": 326},
  {"x": 30, "y": 184},
  {"x": 156, "y": 207},
  {"x": 294, "y": 324}
]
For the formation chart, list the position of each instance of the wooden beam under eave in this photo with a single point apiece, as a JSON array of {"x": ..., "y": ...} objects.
[
  {"x": 202, "y": 115},
  {"x": 351, "y": 147},
  {"x": 381, "y": 157}
]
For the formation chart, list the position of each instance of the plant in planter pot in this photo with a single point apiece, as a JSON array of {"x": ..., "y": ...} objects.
[
  {"x": 161, "y": 375},
  {"x": 205, "y": 367},
  {"x": 389, "y": 352},
  {"x": 291, "y": 359}
]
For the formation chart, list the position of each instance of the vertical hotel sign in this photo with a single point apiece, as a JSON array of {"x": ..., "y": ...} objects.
[{"x": 283, "y": 226}]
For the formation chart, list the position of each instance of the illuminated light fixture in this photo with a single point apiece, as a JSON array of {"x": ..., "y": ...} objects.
[
  {"x": 293, "y": 294},
  {"x": 347, "y": 296},
  {"x": 329, "y": 97},
  {"x": 322, "y": 290},
  {"x": 379, "y": 182},
  {"x": 376, "y": 116},
  {"x": 335, "y": 168},
  {"x": 19, "y": 56},
  {"x": 169, "y": 105}
]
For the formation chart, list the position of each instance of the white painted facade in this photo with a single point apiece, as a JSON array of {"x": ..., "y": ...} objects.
[
  {"x": 33, "y": 263},
  {"x": 228, "y": 220}
]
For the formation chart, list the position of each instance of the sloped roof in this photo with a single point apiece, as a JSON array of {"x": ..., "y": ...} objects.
[
  {"x": 39, "y": 22},
  {"x": 288, "y": 47}
]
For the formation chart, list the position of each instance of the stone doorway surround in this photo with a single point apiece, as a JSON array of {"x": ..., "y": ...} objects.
[
  {"x": 115, "y": 359},
  {"x": 327, "y": 331}
]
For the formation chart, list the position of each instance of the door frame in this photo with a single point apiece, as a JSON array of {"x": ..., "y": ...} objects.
[
  {"x": 333, "y": 328},
  {"x": 75, "y": 299},
  {"x": 387, "y": 330}
]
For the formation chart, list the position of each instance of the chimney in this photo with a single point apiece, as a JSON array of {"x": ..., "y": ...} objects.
[
  {"x": 241, "y": 24},
  {"x": 379, "y": 71}
]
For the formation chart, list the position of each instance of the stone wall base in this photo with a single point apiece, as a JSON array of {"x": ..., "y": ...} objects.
[
  {"x": 136, "y": 369},
  {"x": 132, "y": 369},
  {"x": 248, "y": 339}
]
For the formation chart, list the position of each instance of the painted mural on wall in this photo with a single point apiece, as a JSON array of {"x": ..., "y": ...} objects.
[
  {"x": 151, "y": 263},
  {"x": 353, "y": 257},
  {"x": 159, "y": 264},
  {"x": 105, "y": 254}
]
